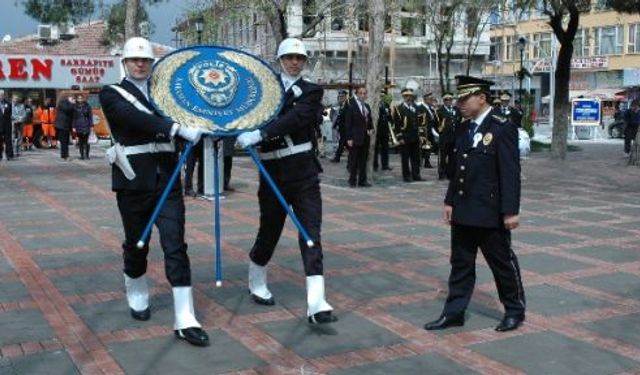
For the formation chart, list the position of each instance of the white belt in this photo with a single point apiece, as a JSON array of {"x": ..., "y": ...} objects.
[
  {"x": 289, "y": 150},
  {"x": 149, "y": 148}
]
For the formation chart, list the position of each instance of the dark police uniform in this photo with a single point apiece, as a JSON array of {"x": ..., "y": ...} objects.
[
  {"x": 287, "y": 152},
  {"x": 449, "y": 118},
  {"x": 382, "y": 137},
  {"x": 406, "y": 127},
  {"x": 428, "y": 120},
  {"x": 137, "y": 198},
  {"x": 485, "y": 187}
]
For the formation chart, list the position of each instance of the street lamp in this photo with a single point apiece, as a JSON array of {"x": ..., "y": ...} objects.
[
  {"x": 199, "y": 26},
  {"x": 522, "y": 43}
]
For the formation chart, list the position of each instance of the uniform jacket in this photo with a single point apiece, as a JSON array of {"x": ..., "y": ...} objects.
[
  {"x": 384, "y": 117},
  {"x": 429, "y": 120},
  {"x": 130, "y": 127},
  {"x": 356, "y": 124},
  {"x": 449, "y": 118},
  {"x": 486, "y": 183},
  {"x": 298, "y": 118},
  {"x": 406, "y": 123}
]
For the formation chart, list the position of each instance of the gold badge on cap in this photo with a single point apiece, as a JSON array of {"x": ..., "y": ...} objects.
[{"x": 487, "y": 139}]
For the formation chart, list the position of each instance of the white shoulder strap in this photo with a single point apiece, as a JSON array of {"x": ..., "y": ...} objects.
[{"x": 131, "y": 99}]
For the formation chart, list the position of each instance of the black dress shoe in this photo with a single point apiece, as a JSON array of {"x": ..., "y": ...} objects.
[
  {"x": 509, "y": 323},
  {"x": 323, "y": 317},
  {"x": 143, "y": 315},
  {"x": 417, "y": 178},
  {"x": 445, "y": 322},
  {"x": 365, "y": 184},
  {"x": 387, "y": 169},
  {"x": 263, "y": 301},
  {"x": 194, "y": 336}
]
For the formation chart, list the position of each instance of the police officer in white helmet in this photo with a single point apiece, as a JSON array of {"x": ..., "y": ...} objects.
[
  {"x": 287, "y": 149},
  {"x": 142, "y": 162}
]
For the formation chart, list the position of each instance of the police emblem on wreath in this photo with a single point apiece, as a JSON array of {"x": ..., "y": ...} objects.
[{"x": 220, "y": 89}]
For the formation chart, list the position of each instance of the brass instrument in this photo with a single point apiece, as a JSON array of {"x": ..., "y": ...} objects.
[
  {"x": 425, "y": 144},
  {"x": 393, "y": 140}
]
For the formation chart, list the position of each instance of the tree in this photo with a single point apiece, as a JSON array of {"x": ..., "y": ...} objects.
[
  {"x": 625, "y": 6},
  {"x": 131, "y": 19},
  {"x": 58, "y": 11},
  {"x": 116, "y": 16},
  {"x": 375, "y": 68},
  {"x": 476, "y": 14}
]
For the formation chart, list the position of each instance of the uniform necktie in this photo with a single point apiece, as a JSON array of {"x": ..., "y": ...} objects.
[{"x": 473, "y": 126}]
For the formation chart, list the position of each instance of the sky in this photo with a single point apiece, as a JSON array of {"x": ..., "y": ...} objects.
[{"x": 15, "y": 22}]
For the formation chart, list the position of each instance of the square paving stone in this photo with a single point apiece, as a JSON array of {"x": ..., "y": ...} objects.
[
  {"x": 13, "y": 292},
  {"x": 397, "y": 206},
  {"x": 23, "y": 326},
  {"x": 95, "y": 282},
  {"x": 205, "y": 271},
  {"x": 476, "y": 317},
  {"x": 351, "y": 236},
  {"x": 374, "y": 219},
  {"x": 620, "y": 283},
  {"x": 41, "y": 230},
  {"x": 623, "y": 328},
  {"x": 541, "y": 221},
  {"x": 78, "y": 259},
  {"x": 238, "y": 300},
  {"x": 166, "y": 355},
  {"x": 58, "y": 242},
  {"x": 431, "y": 363},
  {"x": 399, "y": 253},
  {"x": 367, "y": 286},
  {"x": 5, "y": 266},
  {"x": 114, "y": 315},
  {"x": 542, "y": 239},
  {"x": 331, "y": 261},
  {"x": 551, "y": 300},
  {"x": 552, "y": 353},
  {"x": 418, "y": 230},
  {"x": 546, "y": 264},
  {"x": 45, "y": 363},
  {"x": 349, "y": 333},
  {"x": 609, "y": 253},
  {"x": 598, "y": 232},
  {"x": 427, "y": 215},
  {"x": 594, "y": 217}
]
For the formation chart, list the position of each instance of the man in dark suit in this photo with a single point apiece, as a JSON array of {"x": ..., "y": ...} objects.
[
  {"x": 64, "y": 116},
  {"x": 5, "y": 127},
  {"x": 449, "y": 118},
  {"x": 482, "y": 206},
  {"x": 358, "y": 125},
  {"x": 406, "y": 126},
  {"x": 287, "y": 151},
  {"x": 140, "y": 173}
]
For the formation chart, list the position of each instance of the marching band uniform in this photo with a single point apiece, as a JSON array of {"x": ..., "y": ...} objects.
[
  {"x": 449, "y": 118},
  {"x": 138, "y": 179},
  {"x": 406, "y": 127},
  {"x": 429, "y": 121},
  {"x": 286, "y": 149},
  {"x": 510, "y": 112},
  {"x": 483, "y": 193},
  {"x": 382, "y": 137}
]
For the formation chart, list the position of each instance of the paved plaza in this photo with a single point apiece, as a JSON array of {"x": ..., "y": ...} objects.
[{"x": 63, "y": 308}]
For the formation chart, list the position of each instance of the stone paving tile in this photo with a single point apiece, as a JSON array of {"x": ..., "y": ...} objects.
[
  {"x": 5, "y": 266},
  {"x": 399, "y": 253},
  {"x": 594, "y": 217},
  {"x": 542, "y": 238},
  {"x": 598, "y": 232},
  {"x": 366, "y": 286},
  {"x": 78, "y": 259},
  {"x": 165, "y": 355},
  {"x": 13, "y": 291},
  {"x": 115, "y": 315},
  {"x": 205, "y": 271},
  {"x": 546, "y": 264},
  {"x": 623, "y": 328},
  {"x": 429, "y": 363},
  {"x": 476, "y": 317},
  {"x": 23, "y": 326},
  {"x": 608, "y": 253},
  {"x": 349, "y": 333},
  {"x": 330, "y": 261},
  {"x": 374, "y": 219},
  {"x": 238, "y": 300},
  {"x": 83, "y": 283},
  {"x": 351, "y": 236},
  {"x": 550, "y": 300},
  {"x": 45, "y": 363},
  {"x": 58, "y": 242},
  {"x": 620, "y": 284},
  {"x": 552, "y": 353}
]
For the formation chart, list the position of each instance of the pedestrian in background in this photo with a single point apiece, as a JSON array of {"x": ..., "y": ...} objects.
[
  {"x": 46, "y": 115},
  {"x": 358, "y": 126},
  {"x": 5, "y": 127},
  {"x": 64, "y": 116},
  {"x": 82, "y": 123},
  {"x": 18, "y": 116},
  {"x": 383, "y": 134},
  {"x": 27, "y": 130},
  {"x": 632, "y": 120}
]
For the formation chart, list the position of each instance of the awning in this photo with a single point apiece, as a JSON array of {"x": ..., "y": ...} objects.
[{"x": 610, "y": 94}]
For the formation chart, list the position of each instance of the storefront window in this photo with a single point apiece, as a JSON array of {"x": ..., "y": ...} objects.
[{"x": 634, "y": 38}]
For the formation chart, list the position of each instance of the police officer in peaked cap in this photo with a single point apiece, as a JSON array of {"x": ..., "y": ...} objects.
[{"x": 482, "y": 206}]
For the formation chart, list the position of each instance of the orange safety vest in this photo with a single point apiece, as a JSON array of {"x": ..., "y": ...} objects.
[{"x": 47, "y": 116}]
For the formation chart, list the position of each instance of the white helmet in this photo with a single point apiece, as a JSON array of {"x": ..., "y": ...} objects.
[
  {"x": 291, "y": 46},
  {"x": 137, "y": 47}
]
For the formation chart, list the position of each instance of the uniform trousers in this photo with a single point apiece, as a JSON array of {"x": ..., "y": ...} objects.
[
  {"x": 358, "y": 165},
  {"x": 136, "y": 208},
  {"x": 495, "y": 244},
  {"x": 410, "y": 154},
  {"x": 305, "y": 200},
  {"x": 445, "y": 151},
  {"x": 381, "y": 150}
]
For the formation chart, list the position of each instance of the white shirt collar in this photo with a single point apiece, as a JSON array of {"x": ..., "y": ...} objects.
[
  {"x": 478, "y": 120},
  {"x": 140, "y": 84},
  {"x": 287, "y": 80}
]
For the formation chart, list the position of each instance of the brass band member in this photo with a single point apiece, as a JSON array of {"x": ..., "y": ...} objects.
[
  {"x": 406, "y": 127},
  {"x": 449, "y": 118}
]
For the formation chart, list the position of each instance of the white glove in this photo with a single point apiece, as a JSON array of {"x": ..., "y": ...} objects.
[
  {"x": 190, "y": 134},
  {"x": 248, "y": 139}
]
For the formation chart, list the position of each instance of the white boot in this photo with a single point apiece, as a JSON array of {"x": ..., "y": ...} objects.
[
  {"x": 315, "y": 296},
  {"x": 137, "y": 292},
  {"x": 183, "y": 308},
  {"x": 258, "y": 284}
]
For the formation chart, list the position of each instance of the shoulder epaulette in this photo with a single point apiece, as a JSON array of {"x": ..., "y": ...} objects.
[{"x": 500, "y": 119}]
